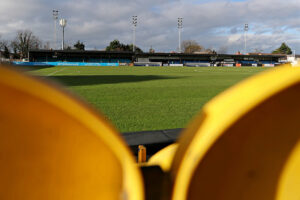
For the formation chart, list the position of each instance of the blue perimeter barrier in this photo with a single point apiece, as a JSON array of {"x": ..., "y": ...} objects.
[{"x": 65, "y": 64}]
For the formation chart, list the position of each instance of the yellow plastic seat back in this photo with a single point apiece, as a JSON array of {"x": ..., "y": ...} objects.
[
  {"x": 245, "y": 143},
  {"x": 54, "y": 147},
  {"x": 164, "y": 157}
]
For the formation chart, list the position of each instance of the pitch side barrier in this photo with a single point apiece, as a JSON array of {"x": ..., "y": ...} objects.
[
  {"x": 244, "y": 144},
  {"x": 147, "y": 64},
  {"x": 202, "y": 64},
  {"x": 64, "y": 64}
]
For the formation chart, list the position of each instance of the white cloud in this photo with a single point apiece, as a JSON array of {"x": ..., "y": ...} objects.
[{"x": 214, "y": 24}]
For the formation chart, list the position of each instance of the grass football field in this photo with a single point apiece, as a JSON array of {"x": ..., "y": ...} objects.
[{"x": 147, "y": 98}]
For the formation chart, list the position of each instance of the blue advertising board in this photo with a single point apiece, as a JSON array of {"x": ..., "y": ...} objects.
[{"x": 65, "y": 64}]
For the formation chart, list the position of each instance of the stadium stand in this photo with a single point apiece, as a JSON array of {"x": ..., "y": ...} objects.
[{"x": 149, "y": 59}]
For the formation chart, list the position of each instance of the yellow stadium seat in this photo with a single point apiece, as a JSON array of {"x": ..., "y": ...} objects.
[
  {"x": 53, "y": 146},
  {"x": 164, "y": 157},
  {"x": 245, "y": 144}
]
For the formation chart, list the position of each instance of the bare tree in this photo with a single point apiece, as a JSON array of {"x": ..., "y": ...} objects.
[
  {"x": 46, "y": 46},
  {"x": 24, "y": 41},
  {"x": 191, "y": 46},
  {"x": 3, "y": 44},
  {"x": 4, "y": 50},
  {"x": 210, "y": 51}
]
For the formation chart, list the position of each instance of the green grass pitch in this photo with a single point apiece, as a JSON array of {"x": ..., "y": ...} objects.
[{"x": 147, "y": 98}]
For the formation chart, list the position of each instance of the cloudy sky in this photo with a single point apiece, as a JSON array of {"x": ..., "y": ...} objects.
[{"x": 216, "y": 24}]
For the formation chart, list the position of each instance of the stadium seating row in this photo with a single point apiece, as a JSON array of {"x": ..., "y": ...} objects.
[{"x": 243, "y": 145}]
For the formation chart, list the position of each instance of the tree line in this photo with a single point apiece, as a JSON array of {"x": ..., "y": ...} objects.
[
  {"x": 116, "y": 45},
  {"x": 191, "y": 46},
  {"x": 283, "y": 49},
  {"x": 25, "y": 40},
  {"x": 20, "y": 45}
]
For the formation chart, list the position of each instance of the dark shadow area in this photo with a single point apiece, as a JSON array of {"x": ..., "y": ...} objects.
[
  {"x": 105, "y": 79},
  {"x": 154, "y": 141}
]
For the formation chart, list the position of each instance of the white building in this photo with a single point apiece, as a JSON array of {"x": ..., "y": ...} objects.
[{"x": 293, "y": 59}]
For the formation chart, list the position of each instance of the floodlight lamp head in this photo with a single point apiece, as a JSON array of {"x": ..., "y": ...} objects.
[
  {"x": 63, "y": 23},
  {"x": 134, "y": 20},
  {"x": 55, "y": 14},
  {"x": 246, "y": 27},
  {"x": 180, "y": 22}
]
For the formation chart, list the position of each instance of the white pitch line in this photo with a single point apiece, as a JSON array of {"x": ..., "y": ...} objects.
[{"x": 52, "y": 73}]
